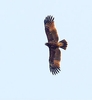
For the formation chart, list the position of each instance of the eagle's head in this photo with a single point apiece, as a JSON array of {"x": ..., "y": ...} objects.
[{"x": 47, "y": 44}]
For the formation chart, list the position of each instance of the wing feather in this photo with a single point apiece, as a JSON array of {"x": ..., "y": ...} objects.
[
  {"x": 49, "y": 36},
  {"x": 54, "y": 60},
  {"x": 50, "y": 29}
]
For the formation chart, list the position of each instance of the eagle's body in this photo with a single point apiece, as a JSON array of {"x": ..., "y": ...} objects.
[{"x": 53, "y": 44}]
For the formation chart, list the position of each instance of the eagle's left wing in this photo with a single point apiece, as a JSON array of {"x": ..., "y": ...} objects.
[{"x": 50, "y": 29}]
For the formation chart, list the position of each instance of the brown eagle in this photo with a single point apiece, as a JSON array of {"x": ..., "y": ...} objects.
[{"x": 53, "y": 44}]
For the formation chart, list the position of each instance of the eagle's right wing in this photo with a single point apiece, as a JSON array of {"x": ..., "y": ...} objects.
[{"x": 54, "y": 60}]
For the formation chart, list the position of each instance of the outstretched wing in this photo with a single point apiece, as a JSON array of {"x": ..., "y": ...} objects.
[
  {"x": 54, "y": 60},
  {"x": 50, "y": 29}
]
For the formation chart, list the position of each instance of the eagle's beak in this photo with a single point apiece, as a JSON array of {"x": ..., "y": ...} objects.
[{"x": 45, "y": 43}]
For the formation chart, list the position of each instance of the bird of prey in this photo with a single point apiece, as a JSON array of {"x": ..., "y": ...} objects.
[{"x": 53, "y": 44}]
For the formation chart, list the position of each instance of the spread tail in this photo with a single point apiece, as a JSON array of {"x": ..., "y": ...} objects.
[{"x": 64, "y": 44}]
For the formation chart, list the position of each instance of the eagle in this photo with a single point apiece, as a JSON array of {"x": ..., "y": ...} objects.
[{"x": 53, "y": 44}]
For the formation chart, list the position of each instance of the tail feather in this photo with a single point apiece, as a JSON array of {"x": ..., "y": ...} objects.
[{"x": 64, "y": 42}]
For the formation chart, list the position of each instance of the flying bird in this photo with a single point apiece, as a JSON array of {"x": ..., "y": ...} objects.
[{"x": 53, "y": 44}]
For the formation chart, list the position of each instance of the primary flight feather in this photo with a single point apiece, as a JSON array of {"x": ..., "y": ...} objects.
[{"x": 54, "y": 44}]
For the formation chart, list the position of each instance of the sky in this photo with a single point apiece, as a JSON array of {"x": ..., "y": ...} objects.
[{"x": 24, "y": 66}]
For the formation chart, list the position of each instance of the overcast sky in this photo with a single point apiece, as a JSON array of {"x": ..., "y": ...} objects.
[{"x": 24, "y": 66}]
